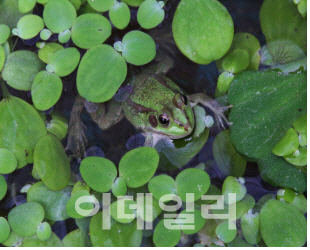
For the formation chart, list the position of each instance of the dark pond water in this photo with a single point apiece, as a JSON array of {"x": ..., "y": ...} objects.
[{"x": 191, "y": 77}]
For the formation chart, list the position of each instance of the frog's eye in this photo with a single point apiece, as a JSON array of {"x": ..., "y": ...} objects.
[
  {"x": 164, "y": 120},
  {"x": 184, "y": 99}
]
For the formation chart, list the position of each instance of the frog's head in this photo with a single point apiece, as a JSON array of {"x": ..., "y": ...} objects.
[{"x": 175, "y": 120}]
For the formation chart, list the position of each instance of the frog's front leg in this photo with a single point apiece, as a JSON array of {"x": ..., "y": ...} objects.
[
  {"x": 211, "y": 104},
  {"x": 105, "y": 114}
]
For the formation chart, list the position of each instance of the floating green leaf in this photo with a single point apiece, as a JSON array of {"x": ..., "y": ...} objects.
[
  {"x": 161, "y": 185},
  {"x": 233, "y": 185},
  {"x": 124, "y": 205},
  {"x": 118, "y": 235},
  {"x": 51, "y": 163},
  {"x": 119, "y": 187},
  {"x": 48, "y": 50},
  {"x": 44, "y": 231},
  {"x": 164, "y": 237},
  {"x": 148, "y": 208},
  {"x": 89, "y": 30},
  {"x": 63, "y": 62},
  {"x": 45, "y": 34},
  {"x": 76, "y": 238},
  {"x": 25, "y": 6},
  {"x": 236, "y": 61},
  {"x": 150, "y": 13},
  {"x": 59, "y": 15},
  {"x": 3, "y": 187},
  {"x": 71, "y": 205},
  {"x": 46, "y": 90},
  {"x": 9, "y": 13},
  {"x": 138, "y": 48},
  {"x": 100, "y": 5},
  {"x": 226, "y": 156},
  {"x": 299, "y": 159},
  {"x": 4, "y": 33},
  {"x": 8, "y": 161},
  {"x": 25, "y": 218},
  {"x": 119, "y": 15},
  {"x": 197, "y": 224},
  {"x": 64, "y": 36},
  {"x": 133, "y": 3},
  {"x": 21, "y": 127},
  {"x": 57, "y": 128},
  {"x": 242, "y": 207},
  {"x": 194, "y": 181},
  {"x": 256, "y": 130},
  {"x": 301, "y": 124},
  {"x": 33, "y": 241},
  {"x": 202, "y": 29},
  {"x": 250, "y": 227},
  {"x": 224, "y": 233},
  {"x": 101, "y": 72},
  {"x": 53, "y": 202},
  {"x": 28, "y": 26},
  {"x": 22, "y": 59},
  {"x": 285, "y": 30},
  {"x": 80, "y": 186},
  {"x": 4, "y": 229},
  {"x": 282, "y": 225},
  {"x": 288, "y": 144},
  {"x": 99, "y": 173},
  {"x": 138, "y": 166},
  {"x": 224, "y": 81}
]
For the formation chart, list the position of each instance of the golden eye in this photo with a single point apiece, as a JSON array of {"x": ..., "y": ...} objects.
[
  {"x": 184, "y": 99},
  {"x": 164, "y": 120}
]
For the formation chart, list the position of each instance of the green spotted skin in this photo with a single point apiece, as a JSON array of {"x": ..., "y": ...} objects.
[{"x": 154, "y": 96}]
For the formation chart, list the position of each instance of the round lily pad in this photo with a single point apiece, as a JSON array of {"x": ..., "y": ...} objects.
[
  {"x": 118, "y": 235},
  {"x": 25, "y": 218},
  {"x": 53, "y": 202},
  {"x": 161, "y": 185},
  {"x": 236, "y": 61},
  {"x": 90, "y": 29},
  {"x": 63, "y": 62},
  {"x": 192, "y": 181},
  {"x": 282, "y": 225},
  {"x": 243, "y": 206},
  {"x": 59, "y": 15},
  {"x": 100, "y": 5},
  {"x": 11, "y": 15},
  {"x": 46, "y": 90},
  {"x": 99, "y": 173},
  {"x": 34, "y": 241},
  {"x": 197, "y": 224},
  {"x": 51, "y": 163},
  {"x": 138, "y": 166},
  {"x": 250, "y": 227},
  {"x": 224, "y": 233},
  {"x": 301, "y": 124},
  {"x": 71, "y": 205},
  {"x": 44, "y": 231},
  {"x": 76, "y": 238},
  {"x": 299, "y": 159},
  {"x": 3, "y": 187},
  {"x": 25, "y": 6},
  {"x": 48, "y": 50},
  {"x": 119, "y": 187},
  {"x": 164, "y": 237},
  {"x": 127, "y": 212},
  {"x": 202, "y": 29},
  {"x": 28, "y": 26},
  {"x": 8, "y": 161},
  {"x": 119, "y": 15},
  {"x": 224, "y": 81},
  {"x": 22, "y": 59},
  {"x": 138, "y": 48},
  {"x": 288, "y": 144},
  {"x": 133, "y": 3},
  {"x": 64, "y": 36},
  {"x": 80, "y": 186},
  {"x": 45, "y": 34},
  {"x": 21, "y": 127},
  {"x": 233, "y": 185},
  {"x": 101, "y": 72},
  {"x": 57, "y": 128},
  {"x": 4, "y": 33},
  {"x": 150, "y": 14},
  {"x": 148, "y": 208},
  {"x": 4, "y": 229}
]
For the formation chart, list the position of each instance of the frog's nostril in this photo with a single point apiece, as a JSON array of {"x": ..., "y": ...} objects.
[{"x": 180, "y": 125}]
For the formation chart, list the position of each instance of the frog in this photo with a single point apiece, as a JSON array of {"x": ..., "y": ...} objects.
[{"x": 156, "y": 105}]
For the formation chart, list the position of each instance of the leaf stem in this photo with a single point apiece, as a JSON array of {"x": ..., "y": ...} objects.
[{"x": 5, "y": 91}]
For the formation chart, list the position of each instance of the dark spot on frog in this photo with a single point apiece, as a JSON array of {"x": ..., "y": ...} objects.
[
  {"x": 100, "y": 29},
  {"x": 247, "y": 37},
  {"x": 153, "y": 121},
  {"x": 299, "y": 110},
  {"x": 26, "y": 153},
  {"x": 295, "y": 29}
]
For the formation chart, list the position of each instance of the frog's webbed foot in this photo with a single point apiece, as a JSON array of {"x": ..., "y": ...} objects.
[
  {"x": 151, "y": 139},
  {"x": 213, "y": 105}
]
